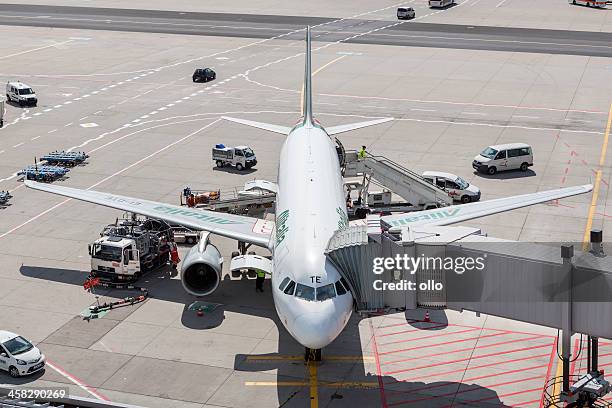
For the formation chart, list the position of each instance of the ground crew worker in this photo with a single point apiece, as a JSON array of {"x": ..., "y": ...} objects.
[
  {"x": 259, "y": 282},
  {"x": 362, "y": 153}
]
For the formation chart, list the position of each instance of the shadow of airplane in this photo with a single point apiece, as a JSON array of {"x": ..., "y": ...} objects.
[{"x": 349, "y": 375}]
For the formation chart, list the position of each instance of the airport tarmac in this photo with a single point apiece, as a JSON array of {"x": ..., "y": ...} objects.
[{"x": 149, "y": 131}]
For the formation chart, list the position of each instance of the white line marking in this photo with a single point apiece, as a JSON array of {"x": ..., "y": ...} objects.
[
  {"x": 52, "y": 131},
  {"x": 74, "y": 380},
  {"x": 18, "y": 144},
  {"x": 35, "y": 137},
  {"x": 36, "y": 49}
]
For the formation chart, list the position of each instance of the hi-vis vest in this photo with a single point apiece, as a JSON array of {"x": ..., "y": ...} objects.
[{"x": 261, "y": 274}]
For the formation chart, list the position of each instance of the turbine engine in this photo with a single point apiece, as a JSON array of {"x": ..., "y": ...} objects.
[{"x": 201, "y": 268}]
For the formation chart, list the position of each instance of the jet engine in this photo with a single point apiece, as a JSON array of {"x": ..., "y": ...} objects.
[{"x": 201, "y": 268}]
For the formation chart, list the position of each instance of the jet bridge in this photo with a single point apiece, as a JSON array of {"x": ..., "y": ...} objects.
[
  {"x": 529, "y": 282},
  {"x": 551, "y": 285},
  {"x": 402, "y": 181}
]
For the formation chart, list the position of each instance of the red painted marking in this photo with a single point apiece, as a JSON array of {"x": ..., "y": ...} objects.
[
  {"x": 566, "y": 144},
  {"x": 573, "y": 153},
  {"x": 563, "y": 181},
  {"x": 446, "y": 342},
  {"x": 429, "y": 337},
  {"x": 381, "y": 385},
  {"x": 79, "y": 382},
  {"x": 496, "y": 396},
  {"x": 411, "y": 331},
  {"x": 584, "y": 162},
  {"x": 573, "y": 365},
  {"x": 553, "y": 353},
  {"x": 497, "y": 363},
  {"x": 501, "y": 343},
  {"x": 600, "y": 355},
  {"x": 566, "y": 170},
  {"x": 498, "y": 353},
  {"x": 480, "y": 328},
  {"x": 475, "y": 388},
  {"x": 465, "y": 380},
  {"x": 522, "y": 404}
]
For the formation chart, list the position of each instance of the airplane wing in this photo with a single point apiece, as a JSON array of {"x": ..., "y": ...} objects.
[
  {"x": 247, "y": 229},
  {"x": 283, "y": 130},
  {"x": 334, "y": 130},
  {"x": 464, "y": 212}
]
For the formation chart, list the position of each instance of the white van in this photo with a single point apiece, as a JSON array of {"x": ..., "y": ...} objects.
[
  {"x": 512, "y": 156},
  {"x": 20, "y": 93},
  {"x": 456, "y": 187}
]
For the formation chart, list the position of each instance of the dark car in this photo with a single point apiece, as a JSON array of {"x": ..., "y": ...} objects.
[
  {"x": 203, "y": 75},
  {"x": 405, "y": 13}
]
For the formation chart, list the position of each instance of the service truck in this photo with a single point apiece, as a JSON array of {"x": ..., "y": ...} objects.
[
  {"x": 129, "y": 248},
  {"x": 241, "y": 157}
]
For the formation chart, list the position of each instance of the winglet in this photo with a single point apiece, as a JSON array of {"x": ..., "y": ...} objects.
[{"x": 307, "y": 97}]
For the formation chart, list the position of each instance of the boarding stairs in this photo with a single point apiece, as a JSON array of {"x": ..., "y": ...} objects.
[{"x": 404, "y": 182}]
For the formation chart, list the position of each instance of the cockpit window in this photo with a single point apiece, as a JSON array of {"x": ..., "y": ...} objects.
[
  {"x": 284, "y": 283},
  {"x": 326, "y": 292},
  {"x": 340, "y": 288},
  {"x": 348, "y": 288},
  {"x": 305, "y": 292},
  {"x": 290, "y": 287}
]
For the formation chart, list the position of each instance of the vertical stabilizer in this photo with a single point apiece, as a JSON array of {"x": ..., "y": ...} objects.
[{"x": 307, "y": 97}]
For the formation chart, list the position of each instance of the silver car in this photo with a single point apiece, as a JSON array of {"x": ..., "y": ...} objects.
[{"x": 404, "y": 13}]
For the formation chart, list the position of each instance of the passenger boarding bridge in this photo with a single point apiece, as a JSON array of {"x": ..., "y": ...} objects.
[{"x": 551, "y": 285}]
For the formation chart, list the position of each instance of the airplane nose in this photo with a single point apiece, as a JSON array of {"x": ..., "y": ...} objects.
[{"x": 316, "y": 330}]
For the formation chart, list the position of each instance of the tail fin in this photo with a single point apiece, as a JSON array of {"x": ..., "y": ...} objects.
[{"x": 307, "y": 93}]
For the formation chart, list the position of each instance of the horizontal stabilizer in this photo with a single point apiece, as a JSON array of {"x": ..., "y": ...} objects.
[
  {"x": 283, "y": 130},
  {"x": 334, "y": 130}
]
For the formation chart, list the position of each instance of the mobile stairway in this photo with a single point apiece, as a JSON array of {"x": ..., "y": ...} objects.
[{"x": 397, "y": 178}]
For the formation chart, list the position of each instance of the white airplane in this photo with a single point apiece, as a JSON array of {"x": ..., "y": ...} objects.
[{"x": 312, "y": 300}]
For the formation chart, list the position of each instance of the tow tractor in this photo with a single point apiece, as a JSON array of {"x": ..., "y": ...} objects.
[{"x": 131, "y": 247}]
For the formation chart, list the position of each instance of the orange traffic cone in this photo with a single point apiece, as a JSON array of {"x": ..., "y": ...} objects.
[{"x": 427, "y": 319}]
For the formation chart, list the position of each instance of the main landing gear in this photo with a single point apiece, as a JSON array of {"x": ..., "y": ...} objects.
[{"x": 312, "y": 354}]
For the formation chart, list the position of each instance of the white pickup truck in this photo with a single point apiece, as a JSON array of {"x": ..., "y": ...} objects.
[{"x": 241, "y": 157}]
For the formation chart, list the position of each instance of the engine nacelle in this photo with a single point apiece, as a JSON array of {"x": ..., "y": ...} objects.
[{"x": 201, "y": 268}]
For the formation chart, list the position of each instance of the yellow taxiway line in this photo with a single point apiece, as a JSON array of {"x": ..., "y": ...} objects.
[{"x": 593, "y": 207}]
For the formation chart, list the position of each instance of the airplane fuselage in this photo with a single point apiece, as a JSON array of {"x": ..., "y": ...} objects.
[{"x": 310, "y": 207}]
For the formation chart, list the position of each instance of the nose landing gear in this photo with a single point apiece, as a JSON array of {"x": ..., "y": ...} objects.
[{"x": 312, "y": 354}]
